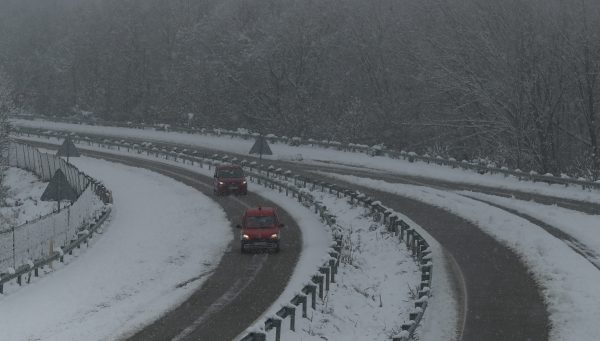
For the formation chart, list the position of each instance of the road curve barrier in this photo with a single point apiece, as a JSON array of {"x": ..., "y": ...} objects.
[{"x": 297, "y": 186}]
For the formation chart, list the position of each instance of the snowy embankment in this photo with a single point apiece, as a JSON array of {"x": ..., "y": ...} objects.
[
  {"x": 581, "y": 226},
  {"x": 317, "y": 155},
  {"x": 375, "y": 285},
  {"x": 155, "y": 240},
  {"x": 568, "y": 281},
  {"x": 23, "y": 202}
]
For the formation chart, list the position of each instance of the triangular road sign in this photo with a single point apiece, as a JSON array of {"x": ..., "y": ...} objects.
[
  {"x": 59, "y": 189},
  {"x": 68, "y": 149},
  {"x": 261, "y": 147}
]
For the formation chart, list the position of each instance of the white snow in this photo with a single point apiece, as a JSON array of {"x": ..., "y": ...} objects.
[
  {"x": 23, "y": 202},
  {"x": 583, "y": 227},
  {"x": 375, "y": 282},
  {"x": 156, "y": 239},
  {"x": 345, "y": 302},
  {"x": 382, "y": 266},
  {"x": 569, "y": 282}
]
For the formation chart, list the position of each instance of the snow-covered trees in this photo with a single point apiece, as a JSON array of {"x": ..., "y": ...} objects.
[{"x": 514, "y": 80}]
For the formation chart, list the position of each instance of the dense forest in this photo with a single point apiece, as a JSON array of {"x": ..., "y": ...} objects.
[{"x": 513, "y": 81}]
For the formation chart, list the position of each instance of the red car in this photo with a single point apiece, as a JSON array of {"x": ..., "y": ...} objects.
[
  {"x": 229, "y": 179},
  {"x": 260, "y": 229}
]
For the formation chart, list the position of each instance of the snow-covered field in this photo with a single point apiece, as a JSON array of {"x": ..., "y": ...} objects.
[
  {"x": 569, "y": 282},
  {"x": 23, "y": 202},
  {"x": 129, "y": 275}
]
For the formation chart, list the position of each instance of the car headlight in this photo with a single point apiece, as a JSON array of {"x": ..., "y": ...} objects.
[
  {"x": 274, "y": 236},
  {"x": 245, "y": 237},
  {"x": 221, "y": 183},
  {"x": 244, "y": 182}
]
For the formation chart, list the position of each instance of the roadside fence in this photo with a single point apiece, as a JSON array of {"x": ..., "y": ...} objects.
[{"x": 36, "y": 243}]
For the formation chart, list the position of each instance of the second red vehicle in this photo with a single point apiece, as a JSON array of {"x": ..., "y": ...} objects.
[{"x": 229, "y": 179}]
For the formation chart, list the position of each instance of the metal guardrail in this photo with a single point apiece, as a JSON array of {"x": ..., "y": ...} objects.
[
  {"x": 352, "y": 147},
  {"x": 296, "y": 186}
]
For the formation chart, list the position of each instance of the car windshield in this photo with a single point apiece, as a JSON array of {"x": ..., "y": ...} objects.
[
  {"x": 230, "y": 173},
  {"x": 259, "y": 222}
]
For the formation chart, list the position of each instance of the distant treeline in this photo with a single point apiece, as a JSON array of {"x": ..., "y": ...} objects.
[{"x": 515, "y": 81}]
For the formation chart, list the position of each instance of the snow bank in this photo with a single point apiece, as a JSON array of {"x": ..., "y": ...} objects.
[{"x": 568, "y": 281}]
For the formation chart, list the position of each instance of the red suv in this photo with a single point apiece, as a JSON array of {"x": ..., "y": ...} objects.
[
  {"x": 229, "y": 179},
  {"x": 260, "y": 229}
]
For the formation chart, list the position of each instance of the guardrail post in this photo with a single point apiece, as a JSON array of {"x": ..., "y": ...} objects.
[
  {"x": 292, "y": 313},
  {"x": 422, "y": 248},
  {"x": 403, "y": 227},
  {"x": 271, "y": 323},
  {"x": 392, "y": 225},
  {"x": 312, "y": 290},
  {"x": 408, "y": 237},
  {"x": 333, "y": 267},
  {"x": 319, "y": 280},
  {"x": 300, "y": 299},
  {"x": 288, "y": 311},
  {"x": 386, "y": 217},
  {"x": 325, "y": 271},
  {"x": 413, "y": 243},
  {"x": 425, "y": 277}
]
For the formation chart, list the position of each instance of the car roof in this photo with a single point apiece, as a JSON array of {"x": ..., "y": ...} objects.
[{"x": 260, "y": 211}]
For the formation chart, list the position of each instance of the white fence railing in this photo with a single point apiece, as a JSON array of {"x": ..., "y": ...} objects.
[{"x": 23, "y": 246}]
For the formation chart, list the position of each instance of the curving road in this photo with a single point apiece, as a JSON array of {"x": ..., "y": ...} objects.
[
  {"x": 500, "y": 300},
  {"x": 242, "y": 286}
]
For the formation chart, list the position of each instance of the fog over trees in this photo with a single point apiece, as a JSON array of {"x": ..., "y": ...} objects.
[{"x": 515, "y": 81}]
